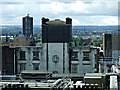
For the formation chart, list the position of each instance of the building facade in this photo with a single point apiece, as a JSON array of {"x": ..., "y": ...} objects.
[
  {"x": 111, "y": 46},
  {"x": 28, "y": 26},
  {"x": 84, "y": 60},
  {"x": 56, "y": 43},
  {"x": 28, "y": 58}
]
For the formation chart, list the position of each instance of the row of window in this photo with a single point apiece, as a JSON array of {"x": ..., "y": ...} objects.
[
  {"x": 85, "y": 56},
  {"x": 23, "y": 66},
  {"x": 35, "y": 54}
]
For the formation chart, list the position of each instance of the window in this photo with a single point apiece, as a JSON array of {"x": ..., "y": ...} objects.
[
  {"x": 86, "y": 56},
  {"x": 22, "y": 66},
  {"x": 75, "y": 55},
  {"x": 22, "y": 54},
  {"x": 35, "y": 54},
  {"x": 35, "y": 66},
  {"x": 74, "y": 68},
  {"x": 55, "y": 58}
]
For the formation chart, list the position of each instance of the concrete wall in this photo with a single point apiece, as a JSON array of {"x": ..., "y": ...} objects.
[
  {"x": 115, "y": 42},
  {"x": 28, "y": 57},
  {"x": 59, "y": 51},
  {"x": 45, "y": 52},
  {"x": 85, "y": 66}
]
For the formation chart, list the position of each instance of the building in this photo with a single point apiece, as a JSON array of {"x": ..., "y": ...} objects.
[
  {"x": 107, "y": 45},
  {"x": 7, "y": 60},
  {"x": 84, "y": 58},
  {"x": 56, "y": 43},
  {"x": 22, "y": 41},
  {"x": 111, "y": 46},
  {"x": 28, "y": 26},
  {"x": 111, "y": 53},
  {"x": 57, "y": 54},
  {"x": 0, "y": 41},
  {"x": 28, "y": 58},
  {"x": 115, "y": 46}
]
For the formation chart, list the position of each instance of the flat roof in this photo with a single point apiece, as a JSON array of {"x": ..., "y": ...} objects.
[{"x": 37, "y": 72}]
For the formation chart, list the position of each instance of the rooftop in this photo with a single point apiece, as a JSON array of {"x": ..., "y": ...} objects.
[{"x": 56, "y": 22}]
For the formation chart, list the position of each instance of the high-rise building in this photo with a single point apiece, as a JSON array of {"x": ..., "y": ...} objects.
[
  {"x": 28, "y": 26},
  {"x": 107, "y": 45}
]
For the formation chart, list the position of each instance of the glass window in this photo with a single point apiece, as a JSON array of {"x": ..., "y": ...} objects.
[
  {"x": 75, "y": 55},
  {"x": 35, "y": 66},
  {"x": 22, "y": 66},
  {"x": 86, "y": 56},
  {"x": 74, "y": 68},
  {"x": 22, "y": 54},
  {"x": 35, "y": 54}
]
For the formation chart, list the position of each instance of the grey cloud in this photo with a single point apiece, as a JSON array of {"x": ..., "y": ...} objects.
[{"x": 59, "y": 9}]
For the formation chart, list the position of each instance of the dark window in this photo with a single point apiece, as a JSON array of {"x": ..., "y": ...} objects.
[
  {"x": 35, "y": 54},
  {"x": 22, "y": 66},
  {"x": 22, "y": 54},
  {"x": 35, "y": 66},
  {"x": 86, "y": 56},
  {"x": 74, "y": 68},
  {"x": 75, "y": 55}
]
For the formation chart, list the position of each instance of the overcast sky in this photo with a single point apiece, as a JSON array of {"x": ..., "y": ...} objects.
[{"x": 90, "y": 12}]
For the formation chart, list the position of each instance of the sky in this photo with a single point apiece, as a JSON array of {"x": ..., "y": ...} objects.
[{"x": 82, "y": 12}]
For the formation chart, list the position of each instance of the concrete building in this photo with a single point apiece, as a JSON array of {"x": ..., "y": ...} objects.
[
  {"x": 115, "y": 46},
  {"x": 56, "y": 43},
  {"x": 28, "y": 26},
  {"x": 29, "y": 58},
  {"x": 33, "y": 58},
  {"x": 84, "y": 60},
  {"x": 111, "y": 46},
  {"x": 56, "y": 53}
]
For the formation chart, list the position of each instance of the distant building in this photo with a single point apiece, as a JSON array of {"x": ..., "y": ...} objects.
[
  {"x": 87, "y": 40},
  {"x": 22, "y": 41},
  {"x": 28, "y": 26},
  {"x": 107, "y": 45}
]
